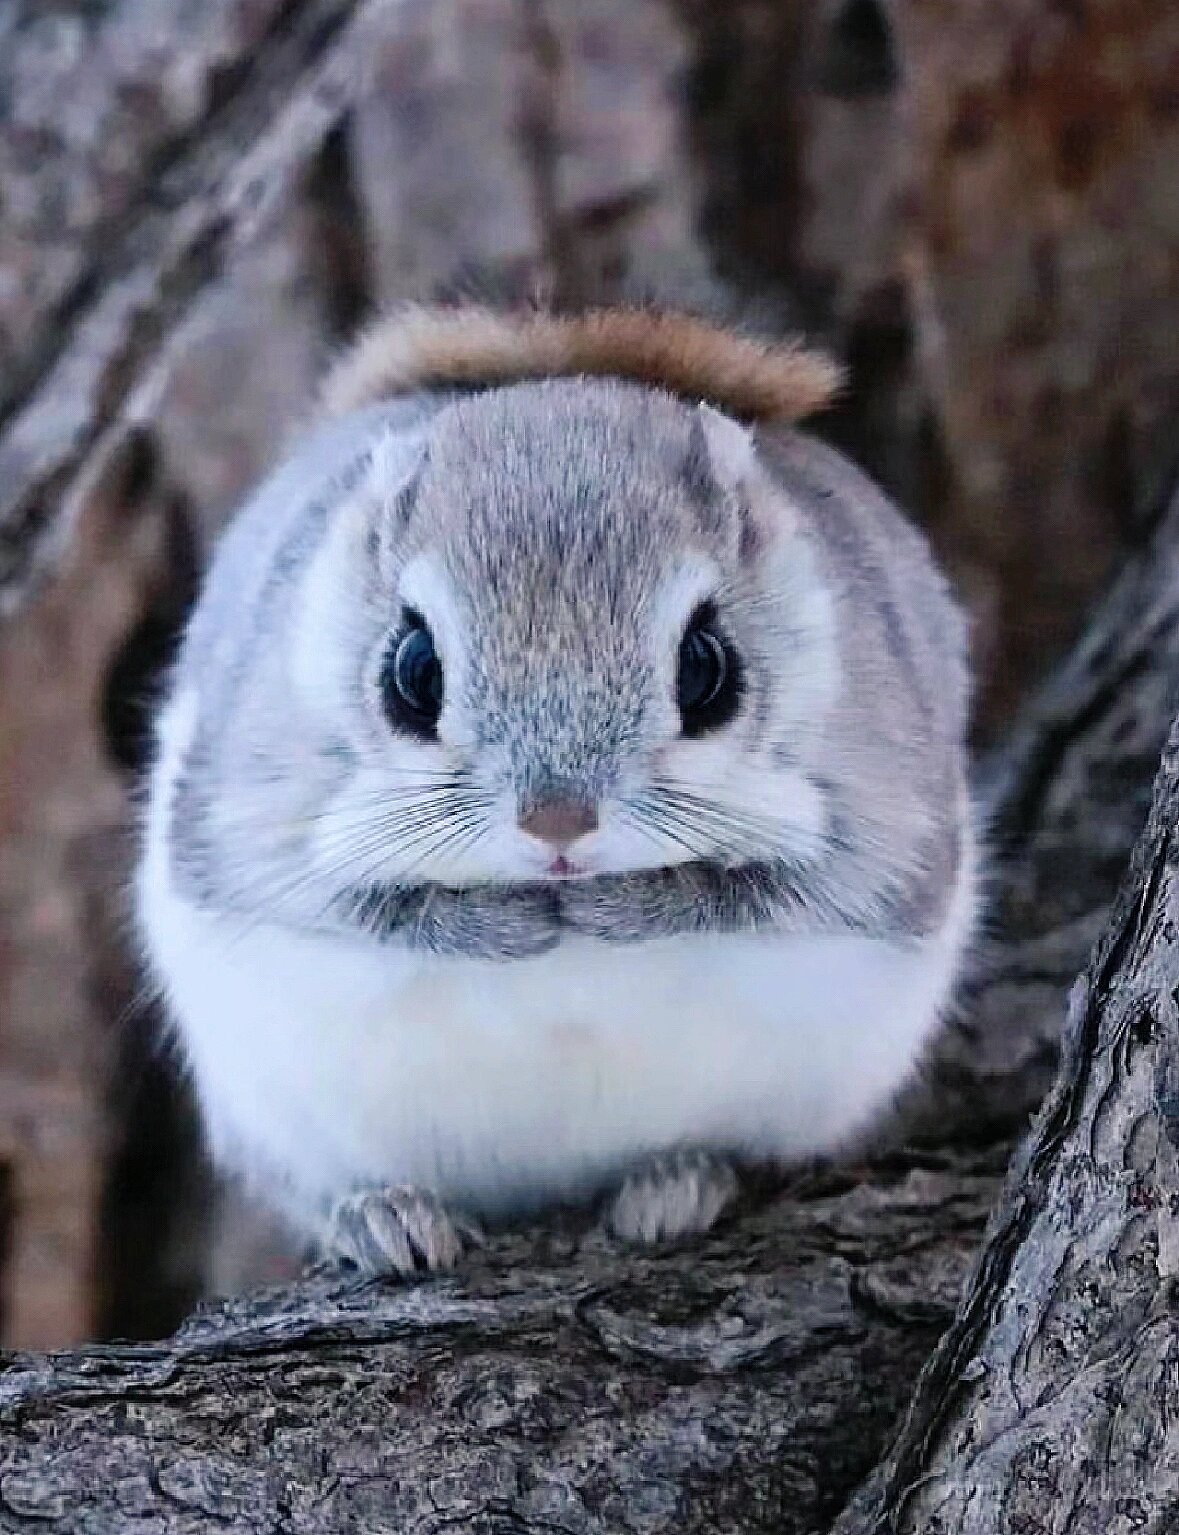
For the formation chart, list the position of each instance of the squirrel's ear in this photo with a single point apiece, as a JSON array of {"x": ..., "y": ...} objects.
[
  {"x": 729, "y": 447},
  {"x": 733, "y": 468},
  {"x": 391, "y": 492},
  {"x": 398, "y": 459}
]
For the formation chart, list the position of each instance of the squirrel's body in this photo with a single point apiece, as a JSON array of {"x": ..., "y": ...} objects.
[{"x": 458, "y": 876}]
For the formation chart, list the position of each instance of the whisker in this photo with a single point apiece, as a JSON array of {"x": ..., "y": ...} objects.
[
  {"x": 726, "y": 833},
  {"x": 362, "y": 861},
  {"x": 639, "y": 824},
  {"x": 388, "y": 827},
  {"x": 355, "y": 853},
  {"x": 698, "y": 802},
  {"x": 463, "y": 837},
  {"x": 757, "y": 834},
  {"x": 671, "y": 828}
]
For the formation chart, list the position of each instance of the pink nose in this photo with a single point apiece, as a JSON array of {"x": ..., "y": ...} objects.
[{"x": 560, "y": 821}]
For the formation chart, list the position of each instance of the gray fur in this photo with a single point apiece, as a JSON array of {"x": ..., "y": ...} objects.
[
  {"x": 904, "y": 704},
  {"x": 555, "y": 598},
  {"x": 557, "y": 510},
  {"x": 232, "y": 651}
]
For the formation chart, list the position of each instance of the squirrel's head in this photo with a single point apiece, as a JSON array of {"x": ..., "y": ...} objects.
[{"x": 574, "y": 631}]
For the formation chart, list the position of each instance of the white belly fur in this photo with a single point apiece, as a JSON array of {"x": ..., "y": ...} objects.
[
  {"x": 325, "y": 1063},
  {"x": 330, "y": 1063}
]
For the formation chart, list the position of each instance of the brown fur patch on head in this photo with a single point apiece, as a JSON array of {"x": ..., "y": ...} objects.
[{"x": 433, "y": 348}]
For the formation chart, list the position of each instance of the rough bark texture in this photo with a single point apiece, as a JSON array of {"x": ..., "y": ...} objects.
[{"x": 746, "y": 1384}]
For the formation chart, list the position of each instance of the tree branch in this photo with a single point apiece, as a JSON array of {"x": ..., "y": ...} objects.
[{"x": 744, "y": 1382}]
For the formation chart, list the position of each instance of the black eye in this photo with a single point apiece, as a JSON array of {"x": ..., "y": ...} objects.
[
  {"x": 411, "y": 679},
  {"x": 708, "y": 682}
]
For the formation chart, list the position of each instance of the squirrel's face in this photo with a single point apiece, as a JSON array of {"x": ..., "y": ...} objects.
[{"x": 583, "y": 636}]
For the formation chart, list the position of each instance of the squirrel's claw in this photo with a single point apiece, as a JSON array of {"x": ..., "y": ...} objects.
[
  {"x": 679, "y": 1194},
  {"x": 397, "y": 1232}
]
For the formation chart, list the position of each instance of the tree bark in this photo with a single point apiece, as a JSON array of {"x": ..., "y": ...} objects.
[{"x": 744, "y": 1383}]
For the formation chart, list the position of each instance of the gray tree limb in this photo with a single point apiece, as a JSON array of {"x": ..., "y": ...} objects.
[{"x": 746, "y": 1383}]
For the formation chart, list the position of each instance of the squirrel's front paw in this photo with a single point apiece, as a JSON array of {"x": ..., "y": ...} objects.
[
  {"x": 678, "y": 1194},
  {"x": 397, "y": 1231}
]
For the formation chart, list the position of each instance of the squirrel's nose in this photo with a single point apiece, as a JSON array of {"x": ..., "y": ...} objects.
[{"x": 560, "y": 821}]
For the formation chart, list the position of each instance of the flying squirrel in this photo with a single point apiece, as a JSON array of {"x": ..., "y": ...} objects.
[{"x": 560, "y": 793}]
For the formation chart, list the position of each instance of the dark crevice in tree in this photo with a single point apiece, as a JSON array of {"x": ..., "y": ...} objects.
[
  {"x": 860, "y": 57},
  {"x": 132, "y": 682},
  {"x": 563, "y": 277},
  {"x": 156, "y": 1198},
  {"x": 339, "y": 245},
  {"x": 866, "y": 419},
  {"x": 745, "y": 117}
]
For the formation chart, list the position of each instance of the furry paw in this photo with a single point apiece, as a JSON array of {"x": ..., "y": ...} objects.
[
  {"x": 397, "y": 1231},
  {"x": 676, "y": 1195}
]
